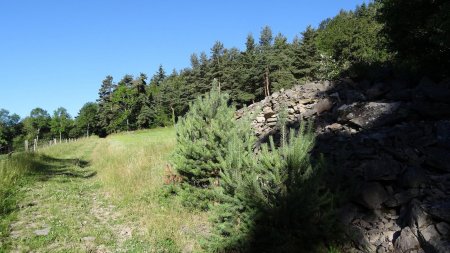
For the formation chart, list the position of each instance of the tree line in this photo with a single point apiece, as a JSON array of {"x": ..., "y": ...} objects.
[
  {"x": 344, "y": 45},
  {"x": 373, "y": 41},
  {"x": 42, "y": 126}
]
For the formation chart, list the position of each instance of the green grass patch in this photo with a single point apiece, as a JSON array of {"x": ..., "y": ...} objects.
[
  {"x": 20, "y": 172},
  {"x": 100, "y": 195}
]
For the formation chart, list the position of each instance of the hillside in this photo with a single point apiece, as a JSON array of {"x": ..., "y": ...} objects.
[{"x": 102, "y": 195}]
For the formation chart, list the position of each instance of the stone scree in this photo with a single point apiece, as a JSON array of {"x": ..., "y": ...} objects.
[{"x": 393, "y": 139}]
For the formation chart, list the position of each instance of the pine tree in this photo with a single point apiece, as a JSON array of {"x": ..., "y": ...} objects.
[
  {"x": 217, "y": 64},
  {"x": 105, "y": 110},
  {"x": 266, "y": 37},
  {"x": 145, "y": 117},
  {"x": 158, "y": 77},
  {"x": 138, "y": 113},
  {"x": 271, "y": 201},
  {"x": 123, "y": 99},
  {"x": 203, "y": 135},
  {"x": 252, "y": 73},
  {"x": 195, "y": 63},
  {"x": 280, "y": 62},
  {"x": 250, "y": 43},
  {"x": 306, "y": 56}
]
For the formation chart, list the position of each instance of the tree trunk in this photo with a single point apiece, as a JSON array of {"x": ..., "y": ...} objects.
[
  {"x": 87, "y": 130},
  {"x": 266, "y": 83},
  {"x": 59, "y": 136}
]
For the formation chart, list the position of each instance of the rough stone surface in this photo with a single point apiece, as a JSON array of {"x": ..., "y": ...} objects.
[
  {"x": 406, "y": 242},
  {"x": 389, "y": 143},
  {"x": 370, "y": 115},
  {"x": 260, "y": 119},
  {"x": 373, "y": 195},
  {"x": 441, "y": 210}
]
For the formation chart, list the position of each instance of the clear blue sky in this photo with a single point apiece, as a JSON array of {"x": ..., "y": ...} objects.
[{"x": 56, "y": 53}]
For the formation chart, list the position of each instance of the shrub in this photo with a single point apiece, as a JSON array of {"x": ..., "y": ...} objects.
[
  {"x": 203, "y": 136},
  {"x": 274, "y": 201}
]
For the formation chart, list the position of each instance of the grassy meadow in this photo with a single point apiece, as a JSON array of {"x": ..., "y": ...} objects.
[
  {"x": 131, "y": 167},
  {"x": 96, "y": 195}
]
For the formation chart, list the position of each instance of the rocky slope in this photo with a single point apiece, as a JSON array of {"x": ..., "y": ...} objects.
[{"x": 389, "y": 144}]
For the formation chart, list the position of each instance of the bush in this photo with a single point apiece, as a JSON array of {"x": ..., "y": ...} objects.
[
  {"x": 271, "y": 201},
  {"x": 203, "y": 136},
  {"x": 194, "y": 198},
  {"x": 274, "y": 201}
]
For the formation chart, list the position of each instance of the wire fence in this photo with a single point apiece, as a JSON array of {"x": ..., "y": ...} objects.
[{"x": 35, "y": 144}]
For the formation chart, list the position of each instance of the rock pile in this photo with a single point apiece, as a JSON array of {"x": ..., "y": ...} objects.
[{"x": 393, "y": 140}]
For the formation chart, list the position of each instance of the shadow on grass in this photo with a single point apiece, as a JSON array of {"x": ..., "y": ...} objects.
[
  {"x": 47, "y": 167},
  {"x": 22, "y": 169}
]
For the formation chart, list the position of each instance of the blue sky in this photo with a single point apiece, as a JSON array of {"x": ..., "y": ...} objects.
[{"x": 56, "y": 53}]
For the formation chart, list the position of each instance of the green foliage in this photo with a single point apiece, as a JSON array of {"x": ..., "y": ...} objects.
[
  {"x": 146, "y": 114},
  {"x": 105, "y": 105},
  {"x": 352, "y": 39},
  {"x": 194, "y": 198},
  {"x": 203, "y": 136},
  {"x": 274, "y": 201},
  {"x": 306, "y": 56},
  {"x": 60, "y": 123},
  {"x": 86, "y": 120},
  {"x": 418, "y": 33},
  {"x": 328, "y": 68},
  {"x": 123, "y": 100},
  {"x": 158, "y": 77},
  {"x": 333, "y": 249},
  {"x": 266, "y": 38},
  {"x": 39, "y": 122},
  {"x": 10, "y": 127}
]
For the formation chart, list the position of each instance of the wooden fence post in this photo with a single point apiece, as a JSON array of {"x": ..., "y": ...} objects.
[
  {"x": 26, "y": 145},
  {"x": 35, "y": 145}
]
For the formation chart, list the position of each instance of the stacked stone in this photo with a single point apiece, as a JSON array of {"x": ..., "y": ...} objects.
[{"x": 393, "y": 139}]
